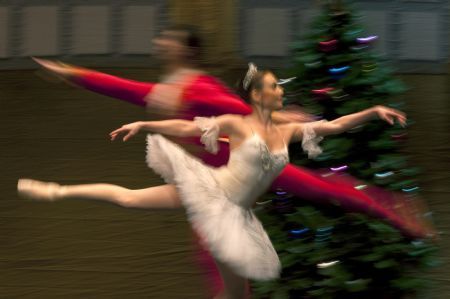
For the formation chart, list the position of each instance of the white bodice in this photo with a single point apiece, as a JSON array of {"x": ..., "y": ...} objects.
[
  {"x": 251, "y": 167},
  {"x": 244, "y": 178}
]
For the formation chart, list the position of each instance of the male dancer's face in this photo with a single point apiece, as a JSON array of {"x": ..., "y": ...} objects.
[{"x": 170, "y": 46}]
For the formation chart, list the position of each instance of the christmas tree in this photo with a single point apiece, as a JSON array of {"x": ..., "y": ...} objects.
[{"x": 327, "y": 252}]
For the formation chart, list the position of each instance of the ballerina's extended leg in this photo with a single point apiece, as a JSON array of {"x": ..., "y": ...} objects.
[{"x": 159, "y": 197}]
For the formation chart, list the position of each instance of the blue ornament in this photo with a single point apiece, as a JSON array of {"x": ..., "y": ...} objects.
[
  {"x": 302, "y": 233},
  {"x": 338, "y": 70}
]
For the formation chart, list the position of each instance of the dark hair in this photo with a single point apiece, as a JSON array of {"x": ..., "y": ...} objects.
[
  {"x": 255, "y": 83},
  {"x": 192, "y": 40}
]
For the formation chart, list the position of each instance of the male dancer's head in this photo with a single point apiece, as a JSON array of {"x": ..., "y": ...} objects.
[{"x": 178, "y": 46}]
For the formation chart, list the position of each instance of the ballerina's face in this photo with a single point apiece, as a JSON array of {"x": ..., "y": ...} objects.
[{"x": 270, "y": 95}]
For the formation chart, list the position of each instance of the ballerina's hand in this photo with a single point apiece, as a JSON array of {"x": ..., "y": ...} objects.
[
  {"x": 390, "y": 115},
  {"x": 130, "y": 130}
]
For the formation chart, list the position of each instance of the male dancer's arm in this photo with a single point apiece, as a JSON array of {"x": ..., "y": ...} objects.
[
  {"x": 127, "y": 90},
  {"x": 195, "y": 100},
  {"x": 131, "y": 91},
  {"x": 308, "y": 185},
  {"x": 204, "y": 96}
]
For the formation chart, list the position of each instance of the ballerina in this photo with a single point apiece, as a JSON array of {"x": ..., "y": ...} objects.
[
  {"x": 187, "y": 93},
  {"x": 218, "y": 200}
]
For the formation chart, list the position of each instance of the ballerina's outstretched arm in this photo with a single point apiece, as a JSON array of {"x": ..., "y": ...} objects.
[
  {"x": 225, "y": 124},
  {"x": 297, "y": 131},
  {"x": 394, "y": 208}
]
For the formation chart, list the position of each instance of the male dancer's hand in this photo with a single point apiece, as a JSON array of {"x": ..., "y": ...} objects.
[{"x": 58, "y": 68}]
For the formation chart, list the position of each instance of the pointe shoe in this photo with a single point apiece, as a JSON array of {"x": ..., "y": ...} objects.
[{"x": 38, "y": 190}]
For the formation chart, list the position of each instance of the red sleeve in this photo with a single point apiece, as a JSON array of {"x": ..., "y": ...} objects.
[
  {"x": 127, "y": 90},
  {"x": 373, "y": 201},
  {"x": 207, "y": 96}
]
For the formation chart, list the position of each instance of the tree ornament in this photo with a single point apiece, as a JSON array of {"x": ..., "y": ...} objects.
[
  {"x": 367, "y": 40},
  {"x": 283, "y": 202},
  {"x": 328, "y": 46}
]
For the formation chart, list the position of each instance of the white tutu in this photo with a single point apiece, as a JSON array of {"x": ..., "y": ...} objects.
[{"x": 218, "y": 201}]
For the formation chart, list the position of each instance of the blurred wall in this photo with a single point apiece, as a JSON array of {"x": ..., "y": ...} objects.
[
  {"x": 217, "y": 21},
  {"x": 96, "y": 31},
  {"x": 414, "y": 34}
]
